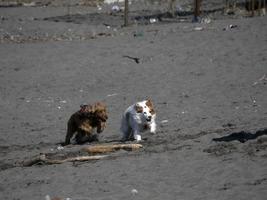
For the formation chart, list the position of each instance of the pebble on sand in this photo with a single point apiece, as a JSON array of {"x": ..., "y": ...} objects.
[{"x": 134, "y": 192}]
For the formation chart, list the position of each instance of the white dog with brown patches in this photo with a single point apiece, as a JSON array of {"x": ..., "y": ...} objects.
[{"x": 138, "y": 118}]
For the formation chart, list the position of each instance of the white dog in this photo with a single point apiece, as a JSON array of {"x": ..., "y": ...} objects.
[{"x": 138, "y": 118}]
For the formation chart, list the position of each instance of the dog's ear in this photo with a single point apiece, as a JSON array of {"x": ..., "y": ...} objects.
[
  {"x": 83, "y": 108},
  {"x": 149, "y": 104},
  {"x": 138, "y": 108},
  {"x": 101, "y": 111},
  {"x": 87, "y": 109}
]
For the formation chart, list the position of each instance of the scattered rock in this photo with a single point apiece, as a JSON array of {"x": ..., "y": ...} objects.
[
  {"x": 153, "y": 20},
  {"x": 134, "y": 191},
  {"x": 231, "y": 26},
  {"x": 115, "y": 8},
  {"x": 164, "y": 121},
  {"x": 198, "y": 29}
]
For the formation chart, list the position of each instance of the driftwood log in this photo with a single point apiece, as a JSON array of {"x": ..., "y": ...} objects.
[
  {"x": 96, "y": 149},
  {"x": 42, "y": 159},
  {"x": 111, "y": 148}
]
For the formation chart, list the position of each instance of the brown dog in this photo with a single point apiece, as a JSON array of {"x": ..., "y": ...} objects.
[{"x": 85, "y": 121}]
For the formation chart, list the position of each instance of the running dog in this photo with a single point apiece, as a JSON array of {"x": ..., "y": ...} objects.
[
  {"x": 138, "y": 118},
  {"x": 85, "y": 121}
]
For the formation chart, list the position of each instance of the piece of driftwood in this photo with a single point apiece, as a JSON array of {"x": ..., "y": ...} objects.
[
  {"x": 97, "y": 149},
  {"x": 111, "y": 148},
  {"x": 42, "y": 159}
]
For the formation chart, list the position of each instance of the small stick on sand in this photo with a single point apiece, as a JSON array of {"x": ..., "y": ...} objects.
[
  {"x": 44, "y": 160},
  {"x": 137, "y": 60},
  {"x": 111, "y": 148}
]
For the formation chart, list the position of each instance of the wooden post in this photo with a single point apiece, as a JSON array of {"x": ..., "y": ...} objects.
[
  {"x": 253, "y": 7},
  {"x": 126, "y": 12},
  {"x": 171, "y": 7},
  {"x": 259, "y": 7},
  {"x": 68, "y": 8},
  {"x": 227, "y": 4},
  {"x": 197, "y": 9},
  {"x": 249, "y": 3}
]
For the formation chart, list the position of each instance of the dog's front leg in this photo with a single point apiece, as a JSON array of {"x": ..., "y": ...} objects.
[
  {"x": 70, "y": 131},
  {"x": 136, "y": 124},
  {"x": 137, "y": 135},
  {"x": 153, "y": 127}
]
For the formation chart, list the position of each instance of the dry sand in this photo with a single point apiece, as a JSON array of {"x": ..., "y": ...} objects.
[{"x": 205, "y": 84}]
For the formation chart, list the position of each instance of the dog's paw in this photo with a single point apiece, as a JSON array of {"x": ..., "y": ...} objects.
[{"x": 137, "y": 138}]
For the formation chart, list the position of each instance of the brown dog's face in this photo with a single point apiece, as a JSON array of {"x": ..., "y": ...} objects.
[
  {"x": 97, "y": 113},
  {"x": 101, "y": 116},
  {"x": 101, "y": 112}
]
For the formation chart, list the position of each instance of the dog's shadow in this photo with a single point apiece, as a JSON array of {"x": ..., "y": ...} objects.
[{"x": 242, "y": 136}]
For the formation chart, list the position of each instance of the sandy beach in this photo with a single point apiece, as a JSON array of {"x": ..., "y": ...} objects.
[{"x": 208, "y": 82}]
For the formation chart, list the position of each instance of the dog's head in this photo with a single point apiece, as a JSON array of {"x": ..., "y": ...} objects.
[
  {"x": 98, "y": 113},
  {"x": 146, "y": 108}
]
